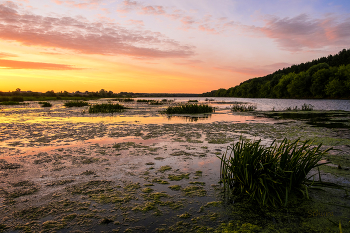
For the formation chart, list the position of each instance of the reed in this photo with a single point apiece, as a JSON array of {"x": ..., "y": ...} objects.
[
  {"x": 269, "y": 175},
  {"x": 106, "y": 108},
  {"x": 70, "y": 104},
  {"x": 307, "y": 107},
  {"x": 243, "y": 108},
  {"x": 189, "y": 109}
]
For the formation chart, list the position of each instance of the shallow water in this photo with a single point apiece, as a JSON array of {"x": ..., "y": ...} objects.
[{"x": 60, "y": 150}]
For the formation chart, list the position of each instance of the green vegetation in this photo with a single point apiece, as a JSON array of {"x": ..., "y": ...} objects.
[
  {"x": 189, "y": 109},
  {"x": 305, "y": 107},
  {"x": 153, "y": 102},
  {"x": 243, "y": 108},
  {"x": 45, "y": 104},
  {"x": 13, "y": 99},
  {"x": 124, "y": 99},
  {"x": 11, "y": 103},
  {"x": 76, "y": 104},
  {"x": 326, "y": 77},
  {"x": 269, "y": 176},
  {"x": 106, "y": 108},
  {"x": 143, "y": 101}
]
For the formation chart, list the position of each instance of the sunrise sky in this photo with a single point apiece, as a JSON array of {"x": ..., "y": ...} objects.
[{"x": 162, "y": 46}]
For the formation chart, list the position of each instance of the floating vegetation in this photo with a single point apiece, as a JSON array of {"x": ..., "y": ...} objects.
[
  {"x": 124, "y": 99},
  {"x": 11, "y": 103},
  {"x": 269, "y": 175},
  {"x": 175, "y": 187},
  {"x": 153, "y": 102},
  {"x": 143, "y": 101},
  {"x": 70, "y": 104},
  {"x": 160, "y": 181},
  {"x": 243, "y": 108},
  {"x": 164, "y": 168},
  {"x": 190, "y": 109},
  {"x": 45, "y": 104},
  {"x": 106, "y": 108},
  {"x": 178, "y": 177},
  {"x": 194, "y": 190}
]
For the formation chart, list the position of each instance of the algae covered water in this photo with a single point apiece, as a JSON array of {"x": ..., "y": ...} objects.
[{"x": 65, "y": 170}]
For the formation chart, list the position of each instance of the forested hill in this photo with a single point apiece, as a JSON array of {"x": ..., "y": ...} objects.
[{"x": 326, "y": 77}]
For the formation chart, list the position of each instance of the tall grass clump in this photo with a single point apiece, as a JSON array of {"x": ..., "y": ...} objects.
[
  {"x": 45, "y": 104},
  {"x": 124, "y": 99},
  {"x": 106, "y": 108},
  {"x": 156, "y": 102},
  {"x": 70, "y": 104},
  {"x": 143, "y": 101},
  {"x": 269, "y": 175},
  {"x": 243, "y": 108},
  {"x": 307, "y": 107},
  {"x": 189, "y": 109}
]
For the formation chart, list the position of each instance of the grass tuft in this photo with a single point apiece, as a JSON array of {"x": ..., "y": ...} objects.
[
  {"x": 269, "y": 175},
  {"x": 70, "y": 104},
  {"x": 45, "y": 104},
  {"x": 243, "y": 108},
  {"x": 189, "y": 109},
  {"x": 106, "y": 108}
]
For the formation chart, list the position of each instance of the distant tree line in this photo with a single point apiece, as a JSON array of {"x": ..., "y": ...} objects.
[
  {"x": 18, "y": 94},
  {"x": 326, "y": 77}
]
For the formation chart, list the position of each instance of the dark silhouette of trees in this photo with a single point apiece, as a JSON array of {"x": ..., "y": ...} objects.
[{"x": 326, "y": 77}]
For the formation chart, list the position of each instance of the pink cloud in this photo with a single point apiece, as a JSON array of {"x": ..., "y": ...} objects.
[
  {"x": 86, "y": 37},
  {"x": 78, "y": 3},
  {"x": 128, "y": 6},
  {"x": 302, "y": 32},
  {"x": 153, "y": 10},
  {"x": 11, "y": 64},
  {"x": 206, "y": 28},
  {"x": 136, "y": 22}
]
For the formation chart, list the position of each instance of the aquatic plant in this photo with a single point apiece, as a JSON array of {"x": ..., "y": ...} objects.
[
  {"x": 45, "y": 104},
  {"x": 243, "y": 108},
  {"x": 153, "y": 102},
  {"x": 106, "y": 108},
  {"x": 269, "y": 175},
  {"x": 189, "y": 109},
  {"x": 143, "y": 101},
  {"x": 12, "y": 103},
  {"x": 307, "y": 107},
  {"x": 292, "y": 109},
  {"x": 124, "y": 99},
  {"x": 70, "y": 104}
]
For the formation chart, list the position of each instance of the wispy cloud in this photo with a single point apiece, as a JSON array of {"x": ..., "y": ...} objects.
[
  {"x": 85, "y": 37},
  {"x": 79, "y": 3},
  {"x": 303, "y": 32},
  {"x": 11, "y": 64}
]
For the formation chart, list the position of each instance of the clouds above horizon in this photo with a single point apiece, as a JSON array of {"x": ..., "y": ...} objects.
[
  {"x": 85, "y": 37},
  {"x": 303, "y": 32}
]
